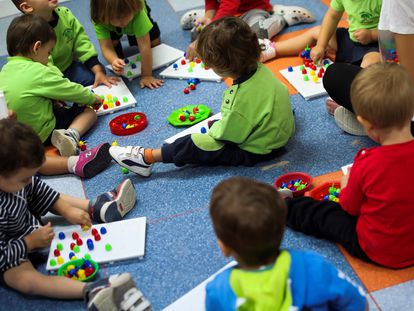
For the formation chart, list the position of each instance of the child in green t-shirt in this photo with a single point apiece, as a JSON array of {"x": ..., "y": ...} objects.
[
  {"x": 35, "y": 91},
  {"x": 71, "y": 39},
  {"x": 357, "y": 44},
  {"x": 114, "y": 18}
]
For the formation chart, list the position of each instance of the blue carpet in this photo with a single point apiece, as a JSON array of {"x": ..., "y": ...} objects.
[{"x": 181, "y": 250}]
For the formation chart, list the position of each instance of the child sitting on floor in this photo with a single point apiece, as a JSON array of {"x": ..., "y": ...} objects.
[
  {"x": 33, "y": 90},
  {"x": 249, "y": 220},
  {"x": 24, "y": 198},
  {"x": 264, "y": 19},
  {"x": 257, "y": 118},
  {"x": 357, "y": 45},
  {"x": 373, "y": 219},
  {"x": 71, "y": 40},
  {"x": 114, "y": 18}
]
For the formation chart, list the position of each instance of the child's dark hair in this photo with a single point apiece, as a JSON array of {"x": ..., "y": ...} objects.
[
  {"x": 17, "y": 3},
  {"x": 24, "y": 31},
  {"x": 229, "y": 46},
  {"x": 20, "y": 148},
  {"x": 249, "y": 217},
  {"x": 103, "y": 11},
  {"x": 383, "y": 94}
]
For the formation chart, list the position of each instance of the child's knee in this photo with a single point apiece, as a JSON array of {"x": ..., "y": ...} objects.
[
  {"x": 24, "y": 281},
  {"x": 370, "y": 58}
]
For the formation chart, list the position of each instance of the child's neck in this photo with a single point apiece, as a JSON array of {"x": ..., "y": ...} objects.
[
  {"x": 395, "y": 136},
  {"x": 48, "y": 16}
]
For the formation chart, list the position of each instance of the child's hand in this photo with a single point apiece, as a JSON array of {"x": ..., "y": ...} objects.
[
  {"x": 102, "y": 78},
  {"x": 77, "y": 216},
  {"x": 11, "y": 114},
  {"x": 363, "y": 36},
  {"x": 150, "y": 82},
  {"x": 98, "y": 102},
  {"x": 201, "y": 22},
  {"x": 191, "y": 51},
  {"x": 118, "y": 66},
  {"x": 39, "y": 238},
  {"x": 317, "y": 54}
]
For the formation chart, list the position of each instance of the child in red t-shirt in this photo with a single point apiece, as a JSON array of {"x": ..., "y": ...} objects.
[{"x": 374, "y": 217}]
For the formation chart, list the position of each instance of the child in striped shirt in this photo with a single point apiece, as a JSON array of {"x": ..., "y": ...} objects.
[{"x": 24, "y": 198}]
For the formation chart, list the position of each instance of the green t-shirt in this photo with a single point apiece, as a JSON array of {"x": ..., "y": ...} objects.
[
  {"x": 138, "y": 27},
  {"x": 70, "y": 39},
  {"x": 29, "y": 88},
  {"x": 362, "y": 14},
  {"x": 256, "y": 115}
]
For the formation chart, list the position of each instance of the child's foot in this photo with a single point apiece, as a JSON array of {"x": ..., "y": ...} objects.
[
  {"x": 64, "y": 142},
  {"x": 269, "y": 50},
  {"x": 113, "y": 205},
  {"x": 131, "y": 158},
  {"x": 294, "y": 14},
  {"x": 347, "y": 121},
  {"x": 94, "y": 161},
  {"x": 188, "y": 19},
  {"x": 269, "y": 27},
  {"x": 118, "y": 292},
  {"x": 331, "y": 105}
]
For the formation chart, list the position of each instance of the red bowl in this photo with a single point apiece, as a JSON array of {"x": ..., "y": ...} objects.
[
  {"x": 322, "y": 190},
  {"x": 117, "y": 124},
  {"x": 286, "y": 178}
]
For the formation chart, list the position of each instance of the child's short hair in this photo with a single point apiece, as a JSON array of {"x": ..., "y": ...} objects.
[
  {"x": 383, "y": 94},
  {"x": 104, "y": 11},
  {"x": 24, "y": 31},
  {"x": 229, "y": 46},
  {"x": 20, "y": 148},
  {"x": 249, "y": 217}
]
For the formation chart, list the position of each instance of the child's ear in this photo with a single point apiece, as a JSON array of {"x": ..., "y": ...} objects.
[
  {"x": 227, "y": 251},
  {"x": 36, "y": 47},
  {"x": 26, "y": 8},
  {"x": 364, "y": 122}
]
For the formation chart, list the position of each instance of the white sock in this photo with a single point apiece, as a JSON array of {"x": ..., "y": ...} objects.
[
  {"x": 72, "y": 163},
  {"x": 73, "y": 133}
]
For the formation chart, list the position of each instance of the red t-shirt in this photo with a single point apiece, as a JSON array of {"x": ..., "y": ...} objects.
[
  {"x": 381, "y": 193},
  {"x": 233, "y": 7}
]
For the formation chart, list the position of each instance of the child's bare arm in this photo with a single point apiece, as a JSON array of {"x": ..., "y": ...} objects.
[
  {"x": 147, "y": 80},
  {"x": 72, "y": 214},
  {"x": 328, "y": 28},
  {"x": 405, "y": 47},
  {"x": 110, "y": 55}
]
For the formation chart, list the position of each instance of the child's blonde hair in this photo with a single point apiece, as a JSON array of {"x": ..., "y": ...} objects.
[
  {"x": 229, "y": 46},
  {"x": 104, "y": 11},
  {"x": 383, "y": 94}
]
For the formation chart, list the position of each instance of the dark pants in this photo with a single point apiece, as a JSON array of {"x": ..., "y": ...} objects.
[
  {"x": 79, "y": 73},
  {"x": 337, "y": 82},
  {"x": 184, "y": 151},
  {"x": 325, "y": 220}
]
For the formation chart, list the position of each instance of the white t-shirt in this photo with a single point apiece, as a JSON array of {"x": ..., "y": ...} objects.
[{"x": 397, "y": 16}]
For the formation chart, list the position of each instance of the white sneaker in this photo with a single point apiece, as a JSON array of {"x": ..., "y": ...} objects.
[
  {"x": 66, "y": 145},
  {"x": 188, "y": 19},
  {"x": 269, "y": 51},
  {"x": 294, "y": 14},
  {"x": 347, "y": 122},
  {"x": 131, "y": 158}
]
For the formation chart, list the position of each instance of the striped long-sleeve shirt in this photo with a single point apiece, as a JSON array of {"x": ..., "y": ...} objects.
[{"x": 20, "y": 214}]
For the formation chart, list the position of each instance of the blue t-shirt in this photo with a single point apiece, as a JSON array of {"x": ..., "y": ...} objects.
[{"x": 315, "y": 284}]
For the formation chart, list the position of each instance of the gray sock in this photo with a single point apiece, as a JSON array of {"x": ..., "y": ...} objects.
[
  {"x": 73, "y": 133},
  {"x": 269, "y": 27}
]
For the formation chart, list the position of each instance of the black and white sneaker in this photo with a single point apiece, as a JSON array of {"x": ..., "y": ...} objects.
[
  {"x": 116, "y": 293},
  {"x": 131, "y": 158}
]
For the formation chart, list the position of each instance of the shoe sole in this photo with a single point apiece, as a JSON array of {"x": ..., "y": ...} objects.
[
  {"x": 124, "y": 202},
  {"x": 63, "y": 143},
  {"x": 136, "y": 170},
  {"x": 103, "y": 157}
]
